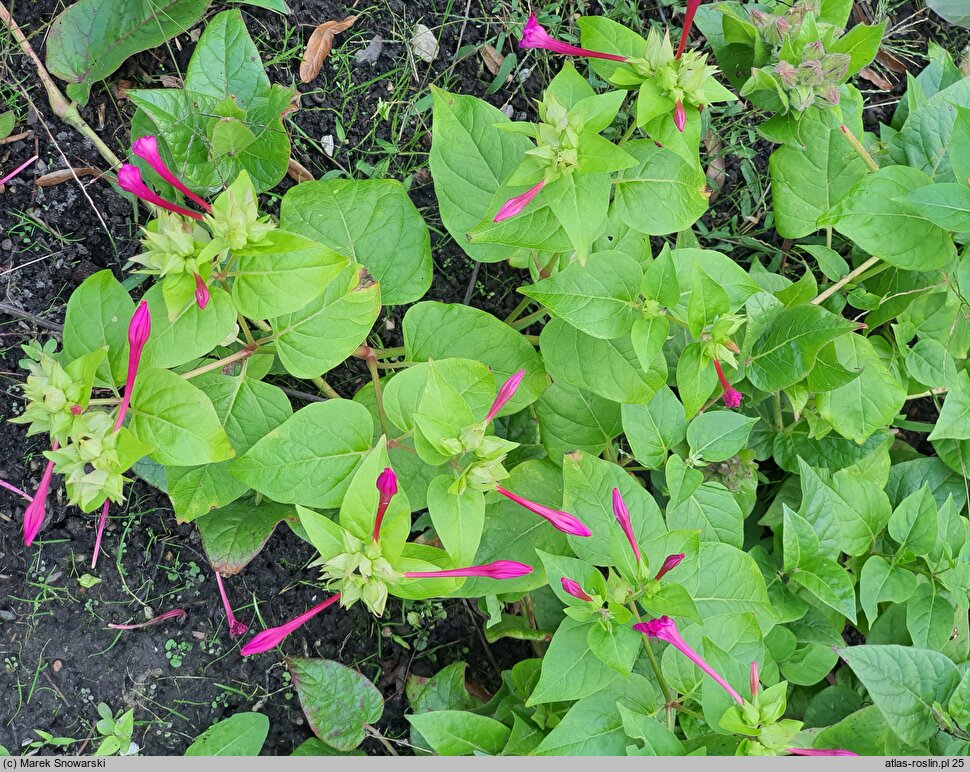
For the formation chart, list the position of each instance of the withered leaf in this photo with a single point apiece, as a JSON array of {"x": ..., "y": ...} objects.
[
  {"x": 319, "y": 45},
  {"x": 298, "y": 171},
  {"x": 492, "y": 58},
  {"x": 66, "y": 175}
]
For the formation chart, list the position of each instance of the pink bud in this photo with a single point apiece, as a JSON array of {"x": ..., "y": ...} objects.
[
  {"x": 665, "y": 629},
  {"x": 236, "y": 628},
  {"x": 574, "y": 589},
  {"x": 731, "y": 396},
  {"x": 515, "y": 205},
  {"x": 671, "y": 561},
  {"x": 139, "y": 329},
  {"x": 562, "y": 521},
  {"x": 201, "y": 292},
  {"x": 622, "y": 515},
  {"x": 819, "y": 752},
  {"x": 37, "y": 509},
  {"x": 692, "y": 6},
  {"x": 753, "y": 679},
  {"x": 147, "y": 148},
  {"x": 273, "y": 637},
  {"x": 505, "y": 394},
  {"x": 534, "y": 35},
  {"x": 498, "y": 569},
  {"x": 387, "y": 487},
  {"x": 179, "y": 613},
  {"x": 680, "y": 116},
  {"x": 129, "y": 180}
]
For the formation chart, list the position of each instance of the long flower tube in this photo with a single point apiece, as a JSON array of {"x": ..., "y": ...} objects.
[
  {"x": 274, "y": 636},
  {"x": 561, "y": 521},
  {"x": 498, "y": 569},
  {"x": 130, "y": 181},
  {"x": 147, "y": 148},
  {"x": 730, "y": 395},
  {"x": 236, "y": 628},
  {"x": 534, "y": 35},
  {"x": 18, "y": 170},
  {"x": 37, "y": 509},
  {"x": 692, "y": 6}
]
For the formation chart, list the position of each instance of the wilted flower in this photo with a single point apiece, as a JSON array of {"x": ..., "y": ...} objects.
[
  {"x": 562, "y": 521},
  {"x": 753, "y": 680},
  {"x": 535, "y": 36},
  {"x": 18, "y": 170},
  {"x": 37, "y": 509},
  {"x": 498, "y": 569},
  {"x": 274, "y": 636},
  {"x": 236, "y": 628},
  {"x": 175, "y": 613},
  {"x": 515, "y": 205},
  {"x": 147, "y": 149}
]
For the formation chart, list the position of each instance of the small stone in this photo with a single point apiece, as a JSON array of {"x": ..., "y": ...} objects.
[{"x": 424, "y": 44}]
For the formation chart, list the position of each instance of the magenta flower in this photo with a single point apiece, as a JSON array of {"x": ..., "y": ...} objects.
[
  {"x": 623, "y": 518},
  {"x": 37, "y": 509},
  {"x": 273, "y": 637},
  {"x": 175, "y": 612},
  {"x": 574, "y": 589},
  {"x": 201, "y": 292},
  {"x": 18, "y": 170},
  {"x": 129, "y": 180},
  {"x": 535, "y": 36},
  {"x": 680, "y": 116},
  {"x": 236, "y": 628},
  {"x": 147, "y": 149},
  {"x": 515, "y": 205},
  {"x": 819, "y": 752},
  {"x": 753, "y": 679},
  {"x": 139, "y": 329},
  {"x": 498, "y": 569},
  {"x": 102, "y": 521},
  {"x": 730, "y": 395},
  {"x": 665, "y": 629},
  {"x": 387, "y": 487},
  {"x": 562, "y": 521},
  {"x": 670, "y": 562},
  {"x": 505, "y": 394},
  {"x": 692, "y": 6}
]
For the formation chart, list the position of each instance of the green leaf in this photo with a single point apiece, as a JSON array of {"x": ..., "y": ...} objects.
[
  {"x": 91, "y": 39},
  {"x": 572, "y": 419},
  {"x": 662, "y": 194},
  {"x": 98, "y": 313},
  {"x": 570, "y": 670},
  {"x": 226, "y": 62},
  {"x": 711, "y": 509},
  {"x": 865, "y": 732},
  {"x": 597, "y": 298},
  {"x": 7, "y": 121},
  {"x": 581, "y": 201},
  {"x": 873, "y": 217},
  {"x": 458, "y": 519},
  {"x": 282, "y": 273},
  {"x": 372, "y": 221},
  {"x": 233, "y": 535},
  {"x": 193, "y": 333},
  {"x": 178, "y": 419},
  {"x": 904, "y": 683},
  {"x": 914, "y": 523},
  {"x": 931, "y": 364},
  {"x": 946, "y": 204},
  {"x": 242, "y": 734},
  {"x": 608, "y": 368},
  {"x": 728, "y": 581},
  {"x": 324, "y": 333},
  {"x": 785, "y": 352},
  {"x": 337, "y": 701},
  {"x": 830, "y": 262},
  {"x": 806, "y": 183},
  {"x": 708, "y": 300},
  {"x": 861, "y": 43},
  {"x": 324, "y": 442},
  {"x": 954, "y": 420},
  {"x": 719, "y": 434},
  {"x": 655, "y": 428},
  {"x": 660, "y": 280},
  {"x": 439, "y": 330},
  {"x": 929, "y": 140},
  {"x": 696, "y": 379},
  {"x": 460, "y": 733},
  {"x": 882, "y": 581},
  {"x": 929, "y": 617},
  {"x": 470, "y": 159},
  {"x": 828, "y": 582}
]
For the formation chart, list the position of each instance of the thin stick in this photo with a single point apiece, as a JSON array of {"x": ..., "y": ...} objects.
[
  {"x": 15, "y": 137},
  {"x": 9, "y": 310},
  {"x": 858, "y": 147},
  {"x": 823, "y": 296}
]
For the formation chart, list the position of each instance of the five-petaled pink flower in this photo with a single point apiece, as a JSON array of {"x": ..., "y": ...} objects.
[
  {"x": 147, "y": 149},
  {"x": 665, "y": 629},
  {"x": 562, "y": 521},
  {"x": 236, "y": 628},
  {"x": 516, "y": 204},
  {"x": 670, "y": 562},
  {"x": 273, "y": 637},
  {"x": 498, "y": 569},
  {"x": 573, "y": 588},
  {"x": 129, "y": 180},
  {"x": 505, "y": 394},
  {"x": 37, "y": 509},
  {"x": 623, "y": 518},
  {"x": 535, "y": 36},
  {"x": 692, "y": 6},
  {"x": 387, "y": 488},
  {"x": 820, "y": 752},
  {"x": 730, "y": 395}
]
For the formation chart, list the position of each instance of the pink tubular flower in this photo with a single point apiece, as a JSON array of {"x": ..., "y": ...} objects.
[
  {"x": 692, "y": 6},
  {"x": 680, "y": 116},
  {"x": 236, "y": 628},
  {"x": 623, "y": 518},
  {"x": 819, "y": 752},
  {"x": 535, "y": 36},
  {"x": 573, "y": 588},
  {"x": 273, "y": 637},
  {"x": 498, "y": 569},
  {"x": 175, "y": 612},
  {"x": 562, "y": 521},
  {"x": 147, "y": 149},
  {"x": 129, "y": 180},
  {"x": 731, "y": 396},
  {"x": 665, "y": 629},
  {"x": 139, "y": 329},
  {"x": 505, "y": 394},
  {"x": 201, "y": 292},
  {"x": 18, "y": 170},
  {"x": 753, "y": 679},
  {"x": 670, "y": 562},
  {"x": 102, "y": 521},
  {"x": 37, "y": 509},
  {"x": 387, "y": 487},
  {"x": 516, "y": 204}
]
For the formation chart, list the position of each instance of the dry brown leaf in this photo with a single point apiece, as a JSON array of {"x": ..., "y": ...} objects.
[
  {"x": 170, "y": 81},
  {"x": 66, "y": 175},
  {"x": 298, "y": 171},
  {"x": 492, "y": 58},
  {"x": 121, "y": 89},
  {"x": 875, "y": 79},
  {"x": 319, "y": 45},
  {"x": 891, "y": 62}
]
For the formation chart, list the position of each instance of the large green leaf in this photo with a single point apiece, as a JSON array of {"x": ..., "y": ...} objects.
[
  {"x": 324, "y": 442},
  {"x": 946, "y": 204},
  {"x": 904, "y": 683},
  {"x": 570, "y": 670},
  {"x": 242, "y": 734},
  {"x": 193, "y": 333},
  {"x": 233, "y": 535},
  {"x": 717, "y": 435},
  {"x": 655, "y": 428},
  {"x": 460, "y": 733},
  {"x": 98, "y": 314},
  {"x": 929, "y": 140},
  {"x": 373, "y": 222},
  {"x": 712, "y": 510},
  {"x": 954, "y": 420},
  {"x": 337, "y": 701},
  {"x": 574, "y": 419},
  {"x": 92, "y": 38},
  {"x": 881, "y": 581}
]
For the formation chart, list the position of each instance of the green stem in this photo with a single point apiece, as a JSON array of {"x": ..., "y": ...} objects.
[
  {"x": 244, "y": 353},
  {"x": 510, "y": 319},
  {"x": 325, "y": 388},
  {"x": 378, "y": 392},
  {"x": 779, "y": 418},
  {"x": 628, "y": 133},
  {"x": 849, "y": 277},
  {"x": 525, "y": 321},
  {"x": 388, "y": 353},
  {"x": 859, "y": 148},
  {"x": 665, "y": 690}
]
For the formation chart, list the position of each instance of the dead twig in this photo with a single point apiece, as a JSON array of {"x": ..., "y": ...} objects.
[{"x": 9, "y": 310}]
